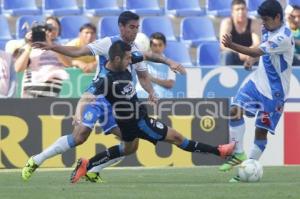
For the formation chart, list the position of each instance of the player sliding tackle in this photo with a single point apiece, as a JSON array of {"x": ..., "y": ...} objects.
[
  {"x": 118, "y": 89},
  {"x": 128, "y": 25},
  {"x": 265, "y": 93}
]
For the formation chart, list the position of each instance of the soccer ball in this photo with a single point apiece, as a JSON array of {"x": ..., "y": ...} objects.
[{"x": 250, "y": 171}]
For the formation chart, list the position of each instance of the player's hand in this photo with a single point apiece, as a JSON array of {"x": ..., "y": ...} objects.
[
  {"x": 153, "y": 97},
  {"x": 28, "y": 37},
  {"x": 227, "y": 40},
  {"x": 42, "y": 45},
  {"x": 249, "y": 62},
  {"x": 176, "y": 67}
]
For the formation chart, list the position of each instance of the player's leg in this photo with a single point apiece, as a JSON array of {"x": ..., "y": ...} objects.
[
  {"x": 83, "y": 165},
  {"x": 236, "y": 134},
  {"x": 183, "y": 143}
]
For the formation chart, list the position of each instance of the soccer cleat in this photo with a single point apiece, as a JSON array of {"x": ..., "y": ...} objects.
[
  {"x": 29, "y": 168},
  {"x": 235, "y": 179},
  {"x": 80, "y": 170},
  {"x": 226, "y": 149},
  {"x": 234, "y": 160},
  {"x": 93, "y": 177}
]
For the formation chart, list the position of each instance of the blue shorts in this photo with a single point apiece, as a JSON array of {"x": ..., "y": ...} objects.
[
  {"x": 101, "y": 111},
  {"x": 267, "y": 111}
]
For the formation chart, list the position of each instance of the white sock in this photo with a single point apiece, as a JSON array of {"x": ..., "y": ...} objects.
[
  {"x": 237, "y": 131},
  {"x": 100, "y": 167},
  {"x": 255, "y": 152},
  {"x": 60, "y": 146}
]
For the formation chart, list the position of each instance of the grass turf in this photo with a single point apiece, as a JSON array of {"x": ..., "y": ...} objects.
[{"x": 162, "y": 183}]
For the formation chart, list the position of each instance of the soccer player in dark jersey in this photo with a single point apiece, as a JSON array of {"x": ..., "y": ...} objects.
[{"x": 116, "y": 86}]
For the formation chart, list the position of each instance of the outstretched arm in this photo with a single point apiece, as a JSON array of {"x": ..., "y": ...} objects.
[
  {"x": 154, "y": 57},
  {"x": 253, "y": 52},
  {"x": 70, "y": 51}
]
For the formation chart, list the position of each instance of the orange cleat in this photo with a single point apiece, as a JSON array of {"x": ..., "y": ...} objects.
[
  {"x": 226, "y": 149},
  {"x": 80, "y": 170}
]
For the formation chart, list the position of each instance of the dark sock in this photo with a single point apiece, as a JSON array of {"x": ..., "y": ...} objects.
[
  {"x": 192, "y": 146},
  {"x": 105, "y": 156}
]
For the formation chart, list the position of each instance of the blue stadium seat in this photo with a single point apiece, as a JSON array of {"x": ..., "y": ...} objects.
[
  {"x": 178, "y": 52},
  {"x": 101, "y": 7},
  {"x": 20, "y": 7},
  {"x": 208, "y": 54},
  {"x": 158, "y": 24},
  {"x": 4, "y": 29},
  {"x": 24, "y": 21},
  {"x": 293, "y": 2},
  {"x": 190, "y": 32},
  {"x": 253, "y": 6},
  {"x": 71, "y": 25},
  {"x": 108, "y": 26},
  {"x": 143, "y": 7},
  {"x": 61, "y": 7},
  {"x": 183, "y": 8},
  {"x": 220, "y": 8}
]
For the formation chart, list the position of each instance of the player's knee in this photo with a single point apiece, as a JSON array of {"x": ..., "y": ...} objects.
[{"x": 176, "y": 138}]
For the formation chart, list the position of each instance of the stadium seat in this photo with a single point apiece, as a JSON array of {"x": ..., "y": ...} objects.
[
  {"x": 183, "y": 8},
  {"x": 61, "y": 7},
  {"x": 190, "y": 32},
  {"x": 253, "y": 6},
  {"x": 219, "y": 8},
  {"x": 4, "y": 29},
  {"x": 293, "y": 2},
  {"x": 208, "y": 54},
  {"x": 71, "y": 25},
  {"x": 20, "y": 7},
  {"x": 101, "y": 7},
  {"x": 24, "y": 21},
  {"x": 158, "y": 24},
  {"x": 143, "y": 7},
  {"x": 108, "y": 26},
  {"x": 178, "y": 52}
]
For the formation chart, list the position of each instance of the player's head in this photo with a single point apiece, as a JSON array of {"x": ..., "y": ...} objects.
[
  {"x": 239, "y": 10},
  {"x": 128, "y": 25},
  {"x": 120, "y": 55},
  {"x": 158, "y": 42},
  {"x": 294, "y": 21},
  {"x": 271, "y": 14}
]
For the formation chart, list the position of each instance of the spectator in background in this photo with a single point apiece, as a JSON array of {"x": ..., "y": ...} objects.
[
  {"x": 44, "y": 72},
  {"x": 87, "y": 34},
  {"x": 162, "y": 77},
  {"x": 244, "y": 31},
  {"x": 293, "y": 19},
  {"x": 7, "y": 75}
]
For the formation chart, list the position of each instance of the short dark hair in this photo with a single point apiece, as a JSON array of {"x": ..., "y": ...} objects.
[
  {"x": 56, "y": 20},
  {"x": 159, "y": 36},
  {"x": 296, "y": 7},
  {"x": 118, "y": 49},
  {"x": 127, "y": 16},
  {"x": 238, "y": 2},
  {"x": 88, "y": 26},
  {"x": 270, "y": 8}
]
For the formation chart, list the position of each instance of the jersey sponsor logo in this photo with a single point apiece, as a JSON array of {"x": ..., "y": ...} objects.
[
  {"x": 88, "y": 116},
  {"x": 159, "y": 125}
]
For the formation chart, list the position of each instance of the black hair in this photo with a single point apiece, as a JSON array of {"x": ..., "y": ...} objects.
[
  {"x": 57, "y": 21},
  {"x": 118, "y": 49},
  {"x": 238, "y": 2},
  {"x": 127, "y": 16},
  {"x": 88, "y": 26},
  {"x": 270, "y": 8},
  {"x": 159, "y": 36},
  {"x": 296, "y": 7}
]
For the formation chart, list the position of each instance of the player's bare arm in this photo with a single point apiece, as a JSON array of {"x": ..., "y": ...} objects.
[
  {"x": 154, "y": 57},
  {"x": 253, "y": 52},
  {"x": 70, "y": 51},
  {"x": 145, "y": 82}
]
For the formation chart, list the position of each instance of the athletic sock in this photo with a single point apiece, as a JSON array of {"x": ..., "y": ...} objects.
[
  {"x": 192, "y": 146},
  {"x": 105, "y": 156},
  {"x": 257, "y": 149},
  {"x": 60, "y": 146},
  {"x": 236, "y": 132}
]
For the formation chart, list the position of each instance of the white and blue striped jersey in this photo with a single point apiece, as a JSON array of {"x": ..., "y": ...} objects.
[
  {"x": 100, "y": 48},
  {"x": 272, "y": 77}
]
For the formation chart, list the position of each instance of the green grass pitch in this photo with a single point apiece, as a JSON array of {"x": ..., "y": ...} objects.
[{"x": 158, "y": 183}]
